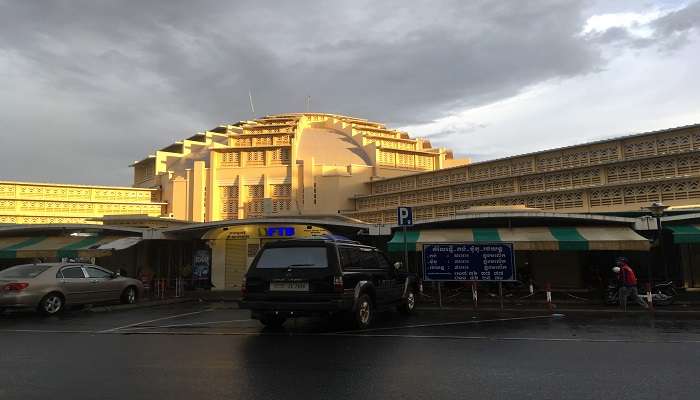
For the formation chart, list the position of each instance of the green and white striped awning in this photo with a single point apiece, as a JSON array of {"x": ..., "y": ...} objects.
[
  {"x": 683, "y": 234},
  {"x": 61, "y": 246},
  {"x": 529, "y": 238}
]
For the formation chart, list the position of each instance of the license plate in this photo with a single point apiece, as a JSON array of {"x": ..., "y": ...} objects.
[{"x": 289, "y": 286}]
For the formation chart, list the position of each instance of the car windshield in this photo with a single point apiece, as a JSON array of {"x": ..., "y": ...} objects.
[
  {"x": 23, "y": 271},
  {"x": 293, "y": 257}
]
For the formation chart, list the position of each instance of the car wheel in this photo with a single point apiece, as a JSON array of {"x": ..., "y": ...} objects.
[
  {"x": 273, "y": 321},
  {"x": 665, "y": 302},
  {"x": 51, "y": 304},
  {"x": 129, "y": 296},
  {"x": 364, "y": 312},
  {"x": 409, "y": 303}
]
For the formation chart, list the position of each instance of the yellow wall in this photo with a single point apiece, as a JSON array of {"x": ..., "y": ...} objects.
[
  {"x": 619, "y": 175},
  {"x": 45, "y": 203},
  {"x": 314, "y": 163},
  {"x": 290, "y": 164}
]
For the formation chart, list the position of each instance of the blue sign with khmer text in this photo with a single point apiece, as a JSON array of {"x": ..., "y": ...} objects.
[{"x": 491, "y": 262}]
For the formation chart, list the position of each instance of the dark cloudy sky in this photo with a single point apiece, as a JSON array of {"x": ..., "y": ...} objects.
[{"x": 87, "y": 87}]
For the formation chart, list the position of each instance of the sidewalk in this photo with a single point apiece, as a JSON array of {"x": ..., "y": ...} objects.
[
  {"x": 563, "y": 308},
  {"x": 140, "y": 304},
  {"x": 561, "y": 302},
  {"x": 214, "y": 295}
]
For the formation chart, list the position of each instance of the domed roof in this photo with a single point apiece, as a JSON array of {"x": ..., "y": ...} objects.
[{"x": 331, "y": 147}]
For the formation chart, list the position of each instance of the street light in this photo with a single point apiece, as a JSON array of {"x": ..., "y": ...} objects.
[{"x": 657, "y": 211}]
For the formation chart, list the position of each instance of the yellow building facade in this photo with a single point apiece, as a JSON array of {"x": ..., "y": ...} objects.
[
  {"x": 48, "y": 203},
  {"x": 611, "y": 176},
  {"x": 321, "y": 164},
  {"x": 272, "y": 177},
  {"x": 289, "y": 164}
]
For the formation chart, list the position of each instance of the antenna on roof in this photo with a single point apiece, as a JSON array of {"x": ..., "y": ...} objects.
[
  {"x": 250, "y": 96},
  {"x": 308, "y": 103}
]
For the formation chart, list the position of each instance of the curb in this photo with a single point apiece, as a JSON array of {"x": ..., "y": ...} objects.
[
  {"x": 145, "y": 304},
  {"x": 211, "y": 299}
]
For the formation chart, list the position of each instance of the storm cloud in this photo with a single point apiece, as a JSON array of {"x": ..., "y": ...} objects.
[
  {"x": 89, "y": 86},
  {"x": 668, "y": 32}
]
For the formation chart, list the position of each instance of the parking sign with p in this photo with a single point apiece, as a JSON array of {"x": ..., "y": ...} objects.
[{"x": 405, "y": 216}]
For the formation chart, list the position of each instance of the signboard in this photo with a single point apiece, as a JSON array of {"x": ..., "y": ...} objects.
[
  {"x": 379, "y": 230},
  {"x": 237, "y": 235},
  {"x": 489, "y": 262},
  {"x": 201, "y": 267},
  {"x": 90, "y": 260},
  {"x": 404, "y": 215},
  {"x": 280, "y": 231}
]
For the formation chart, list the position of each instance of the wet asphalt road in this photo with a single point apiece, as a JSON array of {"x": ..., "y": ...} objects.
[{"x": 214, "y": 351}]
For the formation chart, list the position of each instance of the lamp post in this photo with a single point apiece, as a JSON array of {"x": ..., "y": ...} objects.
[{"x": 657, "y": 211}]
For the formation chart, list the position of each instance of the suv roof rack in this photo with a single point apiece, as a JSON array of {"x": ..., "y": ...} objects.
[{"x": 332, "y": 238}]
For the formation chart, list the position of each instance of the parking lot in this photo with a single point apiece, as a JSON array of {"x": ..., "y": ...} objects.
[{"x": 214, "y": 350}]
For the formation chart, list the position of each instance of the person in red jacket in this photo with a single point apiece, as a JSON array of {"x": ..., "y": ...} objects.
[{"x": 628, "y": 284}]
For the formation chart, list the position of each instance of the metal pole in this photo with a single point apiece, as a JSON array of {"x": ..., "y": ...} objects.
[
  {"x": 440, "y": 294},
  {"x": 405, "y": 249},
  {"x": 658, "y": 241},
  {"x": 250, "y": 96},
  {"x": 661, "y": 246},
  {"x": 500, "y": 293}
]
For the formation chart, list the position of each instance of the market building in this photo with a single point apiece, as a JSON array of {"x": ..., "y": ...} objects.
[
  {"x": 229, "y": 190},
  {"x": 615, "y": 176},
  {"x": 293, "y": 164}
]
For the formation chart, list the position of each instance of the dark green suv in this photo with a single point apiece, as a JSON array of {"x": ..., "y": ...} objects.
[{"x": 325, "y": 277}]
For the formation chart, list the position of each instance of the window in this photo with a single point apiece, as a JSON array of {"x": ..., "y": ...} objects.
[
  {"x": 293, "y": 257},
  {"x": 97, "y": 273},
  {"x": 381, "y": 261},
  {"x": 23, "y": 271},
  {"x": 253, "y": 249},
  {"x": 345, "y": 258},
  {"x": 365, "y": 259},
  {"x": 359, "y": 258},
  {"x": 72, "y": 272}
]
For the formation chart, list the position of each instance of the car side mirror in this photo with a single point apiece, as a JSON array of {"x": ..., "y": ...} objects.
[
  {"x": 398, "y": 265},
  {"x": 116, "y": 275}
]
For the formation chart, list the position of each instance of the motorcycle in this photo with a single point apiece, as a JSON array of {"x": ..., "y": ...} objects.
[{"x": 662, "y": 294}]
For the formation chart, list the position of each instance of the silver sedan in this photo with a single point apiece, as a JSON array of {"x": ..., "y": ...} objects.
[{"x": 50, "y": 287}]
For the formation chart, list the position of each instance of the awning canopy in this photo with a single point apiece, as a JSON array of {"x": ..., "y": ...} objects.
[
  {"x": 120, "y": 244},
  {"x": 62, "y": 246},
  {"x": 530, "y": 238},
  {"x": 683, "y": 234}
]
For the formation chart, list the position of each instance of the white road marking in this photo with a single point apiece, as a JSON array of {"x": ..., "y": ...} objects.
[
  {"x": 190, "y": 324},
  {"x": 154, "y": 320},
  {"x": 437, "y": 324},
  {"x": 42, "y": 331},
  {"x": 206, "y": 333},
  {"x": 132, "y": 328}
]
